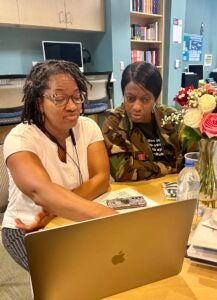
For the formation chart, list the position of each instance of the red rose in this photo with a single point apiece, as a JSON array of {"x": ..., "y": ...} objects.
[
  {"x": 208, "y": 125},
  {"x": 183, "y": 95}
]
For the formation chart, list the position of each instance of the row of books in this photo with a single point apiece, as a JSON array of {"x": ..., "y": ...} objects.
[
  {"x": 151, "y": 56},
  {"x": 145, "y": 6},
  {"x": 145, "y": 32},
  {"x": 203, "y": 244}
]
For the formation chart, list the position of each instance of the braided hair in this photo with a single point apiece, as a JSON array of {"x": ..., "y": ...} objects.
[{"x": 37, "y": 82}]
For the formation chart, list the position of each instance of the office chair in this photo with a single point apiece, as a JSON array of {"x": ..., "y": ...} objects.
[
  {"x": 11, "y": 105},
  {"x": 10, "y": 116},
  {"x": 99, "y": 96},
  {"x": 3, "y": 182}
]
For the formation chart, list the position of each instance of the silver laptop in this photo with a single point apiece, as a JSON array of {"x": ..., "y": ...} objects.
[{"x": 102, "y": 257}]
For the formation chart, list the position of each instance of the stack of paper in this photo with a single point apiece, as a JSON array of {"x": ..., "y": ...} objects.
[{"x": 203, "y": 246}]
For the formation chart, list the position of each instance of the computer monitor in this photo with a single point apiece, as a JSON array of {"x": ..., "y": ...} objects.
[
  {"x": 70, "y": 51},
  {"x": 197, "y": 69}
]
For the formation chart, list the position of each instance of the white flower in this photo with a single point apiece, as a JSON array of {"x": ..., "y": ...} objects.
[
  {"x": 174, "y": 118},
  {"x": 207, "y": 103},
  {"x": 192, "y": 117}
]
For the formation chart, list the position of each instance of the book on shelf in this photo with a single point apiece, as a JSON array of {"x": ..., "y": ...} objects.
[
  {"x": 148, "y": 6},
  {"x": 155, "y": 6},
  {"x": 137, "y": 55},
  {"x": 147, "y": 32},
  {"x": 153, "y": 56},
  {"x": 145, "y": 6},
  {"x": 141, "y": 5},
  {"x": 150, "y": 56}
]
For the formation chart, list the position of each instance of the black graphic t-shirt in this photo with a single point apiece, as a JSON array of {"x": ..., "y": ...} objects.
[{"x": 150, "y": 132}]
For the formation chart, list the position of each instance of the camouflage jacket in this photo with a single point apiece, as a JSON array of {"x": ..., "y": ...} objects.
[{"x": 126, "y": 143}]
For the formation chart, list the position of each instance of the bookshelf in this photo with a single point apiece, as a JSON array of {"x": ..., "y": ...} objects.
[{"x": 147, "y": 31}]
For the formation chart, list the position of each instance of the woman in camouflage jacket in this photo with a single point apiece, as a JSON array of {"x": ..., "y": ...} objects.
[{"x": 139, "y": 145}]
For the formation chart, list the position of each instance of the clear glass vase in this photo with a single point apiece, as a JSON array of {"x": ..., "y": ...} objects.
[{"x": 208, "y": 172}]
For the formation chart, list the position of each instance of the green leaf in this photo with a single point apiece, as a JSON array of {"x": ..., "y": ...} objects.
[{"x": 191, "y": 133}]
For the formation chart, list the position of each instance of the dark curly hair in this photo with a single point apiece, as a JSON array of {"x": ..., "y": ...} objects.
[
  {"x": 144, "y": 74},
  {"x": 37, "y": 82}
]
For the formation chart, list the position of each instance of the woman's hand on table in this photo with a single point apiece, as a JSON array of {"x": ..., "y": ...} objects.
[{"x": 41, "y": 220}]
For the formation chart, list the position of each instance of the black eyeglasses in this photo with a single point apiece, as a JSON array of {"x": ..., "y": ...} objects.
[{"x": 63, "y": 100}]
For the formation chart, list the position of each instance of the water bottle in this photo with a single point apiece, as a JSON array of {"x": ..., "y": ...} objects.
[{"x": 188, "y": 182}]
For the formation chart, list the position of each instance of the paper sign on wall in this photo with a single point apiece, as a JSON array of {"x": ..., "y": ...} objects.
[
  {"x": 192, "y": 47},
  {"x": 207, "y": 60},
  {"x": 177, "y": 31}
]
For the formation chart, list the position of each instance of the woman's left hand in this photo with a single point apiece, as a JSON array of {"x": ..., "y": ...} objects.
[{"x": 41, "y": 220}]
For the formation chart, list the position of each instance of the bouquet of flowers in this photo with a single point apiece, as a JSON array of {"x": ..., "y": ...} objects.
[
  {"x": 200, "y": 109},
  {"x": 199, "y": 116}
]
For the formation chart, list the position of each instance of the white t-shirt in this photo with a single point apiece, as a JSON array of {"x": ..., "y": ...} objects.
[{"x": 26, "y": 137}]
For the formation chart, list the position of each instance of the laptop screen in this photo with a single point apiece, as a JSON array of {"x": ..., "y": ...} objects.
[
  {"x": 97, "y": 258},
  {"x": 69, "y": 51}
]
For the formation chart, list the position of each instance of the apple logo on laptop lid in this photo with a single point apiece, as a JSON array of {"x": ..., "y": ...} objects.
[{"x": 118, "y": 258}]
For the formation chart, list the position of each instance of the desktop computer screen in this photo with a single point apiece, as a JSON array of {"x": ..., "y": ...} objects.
[
  {"x": 197, "y": 69},
  {"x": 70, "y": 51}
]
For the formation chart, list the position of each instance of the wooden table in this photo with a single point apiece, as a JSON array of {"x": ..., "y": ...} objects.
[{"x": 195, "y": 282}]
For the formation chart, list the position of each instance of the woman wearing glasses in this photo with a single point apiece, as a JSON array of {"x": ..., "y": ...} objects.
[
  {"x": 139, "y": 147},
  {"x": 57, "y": 160}
]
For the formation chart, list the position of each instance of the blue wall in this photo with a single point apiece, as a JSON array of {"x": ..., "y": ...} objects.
[
  {"x": 192, "y": 12},
  {"x": 167, "y": 19},
  {"x": 114, "y": 45},
  {"x": 204, "y": 11},
  {"x": 20, "y": 46},
  {"x": 121, "y": 48},
  {"x": 173, "y": 51}
]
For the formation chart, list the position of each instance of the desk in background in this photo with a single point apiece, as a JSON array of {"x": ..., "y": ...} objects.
[{"x": 195, "y": 282}]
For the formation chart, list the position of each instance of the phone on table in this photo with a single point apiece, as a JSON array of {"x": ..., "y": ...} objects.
[
  {"x": 129, "y": 202},
  {"x": 170, "y": 190}
]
